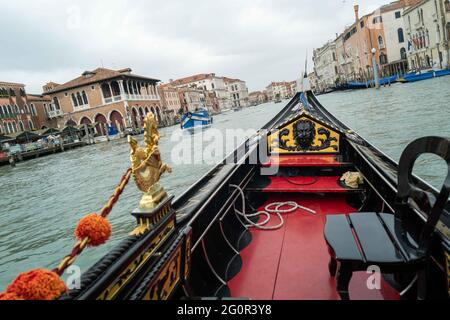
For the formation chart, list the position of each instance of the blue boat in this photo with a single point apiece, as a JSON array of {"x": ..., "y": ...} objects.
[
  {"x": 416, "y": 76},
  {"x": 368, "y": 84},
  {"x": 199, "y": 118}
]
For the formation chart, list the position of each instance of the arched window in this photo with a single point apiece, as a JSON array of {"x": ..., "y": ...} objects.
[
  {"x": 21, "y": 127},
  {"x": 85, "y": 99},
  {"x": 380, "y": 42},
  {"x": 448, "y": 30},
  {"x": 383, "y": 58},
  {"x": 403, "y": 54},
  {"x": 30, "y": 125},
  {"x": 401, "y": 36},
  {"x": 14, "y": 127},
  {"x": 74, "y": 100},
  {"x": 56, "y": 103},
  {"x": 438, "y": 34},
  {"x": 79, "y": 99},
  {"x": 106, "y": 91},
  {"x": 10, "y": 111},
  {"x": 33, "y": 110}
]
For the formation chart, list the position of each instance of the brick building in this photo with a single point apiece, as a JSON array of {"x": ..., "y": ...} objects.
[
  {"x": 17, "y": 112},
  {"x": 117, "y": 98},
  {"x": 170, "y": 99}
]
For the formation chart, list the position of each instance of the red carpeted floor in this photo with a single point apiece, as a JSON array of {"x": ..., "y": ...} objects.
[{"x": 292, "y": 263}]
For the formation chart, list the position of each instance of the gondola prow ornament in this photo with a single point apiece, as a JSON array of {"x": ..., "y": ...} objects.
[{"x": 147, "y": 165}]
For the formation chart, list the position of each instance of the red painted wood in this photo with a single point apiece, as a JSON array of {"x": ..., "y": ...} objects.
[
  {"x": 304, "y": 161},
  {"x": 292, "y": 263},
  {"x": 305, "y": 185}
]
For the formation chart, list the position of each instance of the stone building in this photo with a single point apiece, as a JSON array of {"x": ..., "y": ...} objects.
[
  {"x": 238, "y": 92},
  {"x": 395, "y": 37},
  {"x": 278, "y": 89},
  {"x": 208, "y": 82},
  {"x": 191, "y": 99},
  {"x": 427, "y": 31},
  {"x": 116, "y": 98},
  {"x": 326, "y": 66},
  {"x": 257, "y": 98}
]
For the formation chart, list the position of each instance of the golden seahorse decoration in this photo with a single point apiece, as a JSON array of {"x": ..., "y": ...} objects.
[{"x": 147, "y": 165}]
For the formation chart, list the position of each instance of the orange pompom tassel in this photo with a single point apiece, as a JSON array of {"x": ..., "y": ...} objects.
[
  {"x": 9, "y": 296},
  {"x": 36, "y": 285},
  {"x": 94, "y": 227}
]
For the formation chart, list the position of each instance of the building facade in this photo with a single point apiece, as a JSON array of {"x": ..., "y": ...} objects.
[
  {"x": 17, "y": 113},
  {"x": 278, "y": 89},
  {"x": 257, "y": 98},
  {"x": 191, "y": 99},
  {"x": 171, "y": 103},
  {"x": 238, "y": 92},
  {"x": 40, "y": 104},
  {"x": 395, "y": 38},
  {"x": 207, "y": 82},
  {"x": 326, "y": 66},
  {"x": 426, "y": 28},
  {"x": 104, "y": 97}
]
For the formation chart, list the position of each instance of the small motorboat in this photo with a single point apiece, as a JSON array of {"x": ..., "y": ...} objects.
[
  {"x": 198, "y": 119},
  {"x": 306, "y": 209}
]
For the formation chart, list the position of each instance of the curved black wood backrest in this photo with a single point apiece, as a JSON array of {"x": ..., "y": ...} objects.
[{"x": 406, "y": 186}]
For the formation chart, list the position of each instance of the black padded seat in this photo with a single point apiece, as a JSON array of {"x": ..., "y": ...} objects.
[
  {"x": 370, "y": 238},
  {"x": 360, "y": 240}
]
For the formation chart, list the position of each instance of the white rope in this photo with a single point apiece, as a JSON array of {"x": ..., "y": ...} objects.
[{"x": 273, "y": 208}]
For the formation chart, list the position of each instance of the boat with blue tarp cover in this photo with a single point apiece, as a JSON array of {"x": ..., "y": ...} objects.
[
  {"x": 420, "y": 76},
  {"x": 198, "y": 118}
]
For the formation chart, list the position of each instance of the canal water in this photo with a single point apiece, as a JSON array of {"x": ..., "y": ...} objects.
[{"x": 42, "y": 200}]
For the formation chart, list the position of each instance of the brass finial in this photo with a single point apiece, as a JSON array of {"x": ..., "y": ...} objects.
[{"x": 147, "y": 165}]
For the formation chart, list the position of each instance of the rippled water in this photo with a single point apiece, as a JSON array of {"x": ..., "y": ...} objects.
[{"x": 42, "y": 200}]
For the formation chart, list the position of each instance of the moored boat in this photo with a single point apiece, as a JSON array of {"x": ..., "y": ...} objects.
[
  {"x": 370, "y": 83},
  {"x": 199, "y": 118},
  {"x": 420, "y": 76},
  {"x": 313, "y": 218}
]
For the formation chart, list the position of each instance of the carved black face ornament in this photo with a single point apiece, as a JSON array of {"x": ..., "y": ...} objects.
[{"x": 304, "y": 134}]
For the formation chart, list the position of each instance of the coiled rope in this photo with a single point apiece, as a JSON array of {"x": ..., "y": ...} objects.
[{"x": 275, "y": 208}]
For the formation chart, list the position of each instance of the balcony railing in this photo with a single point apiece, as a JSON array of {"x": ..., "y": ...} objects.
[
  {"x": 130, "y": 97},
  {"x": 55, "y": 114}
]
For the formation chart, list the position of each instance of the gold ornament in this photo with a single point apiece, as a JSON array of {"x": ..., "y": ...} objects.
[{"x": 147, "y": 165}]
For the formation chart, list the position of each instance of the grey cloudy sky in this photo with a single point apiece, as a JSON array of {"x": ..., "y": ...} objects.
[{"x": 258, "y": 41}]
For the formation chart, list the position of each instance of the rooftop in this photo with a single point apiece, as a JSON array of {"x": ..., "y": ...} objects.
[
  {"x": 97, "y": 75},
  {"x": 11, "y": 84},
  {"x": 190, "y": 79}
]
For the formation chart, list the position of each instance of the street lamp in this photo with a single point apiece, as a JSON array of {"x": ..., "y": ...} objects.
[{"x": 376, "y": 77}]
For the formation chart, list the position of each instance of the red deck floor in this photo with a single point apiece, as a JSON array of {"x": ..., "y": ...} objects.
[{"x": 292, "y": 263}]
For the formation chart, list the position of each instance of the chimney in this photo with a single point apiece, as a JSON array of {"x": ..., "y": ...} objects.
[{"x": 356, "y": 7}]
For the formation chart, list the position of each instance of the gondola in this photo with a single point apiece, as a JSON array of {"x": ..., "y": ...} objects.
[{"x": 306, "y": 209}]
